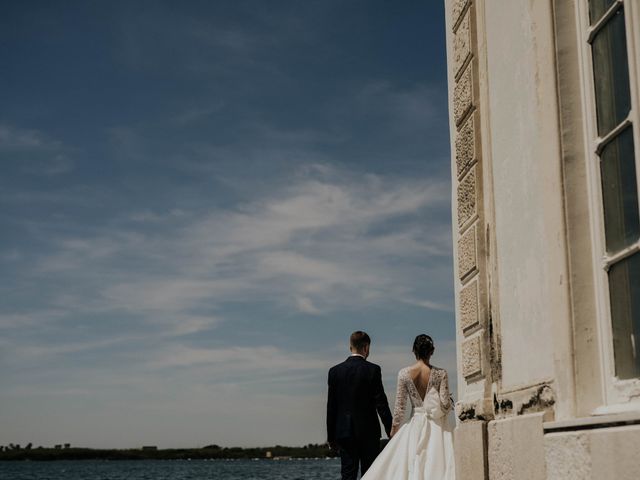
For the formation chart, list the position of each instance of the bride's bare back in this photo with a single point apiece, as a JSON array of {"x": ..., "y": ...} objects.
[{"x": 420, "y": 374}]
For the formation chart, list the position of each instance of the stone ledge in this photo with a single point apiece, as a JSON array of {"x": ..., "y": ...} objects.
[
  {"x": 535, "y": 399},
  {"x": 596, "y": 421}
]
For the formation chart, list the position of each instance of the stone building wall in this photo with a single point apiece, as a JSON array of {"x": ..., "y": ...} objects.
[{"x": 529, "y": 375}]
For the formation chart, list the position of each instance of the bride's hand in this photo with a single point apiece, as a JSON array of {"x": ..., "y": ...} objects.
[{"x": 394, "y": 430}]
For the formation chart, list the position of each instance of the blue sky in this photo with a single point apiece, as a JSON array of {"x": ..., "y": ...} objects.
[{"x": 201, "y": 200}]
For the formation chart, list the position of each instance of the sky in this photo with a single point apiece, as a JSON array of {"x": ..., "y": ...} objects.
[{"x": 201, "y": 200}]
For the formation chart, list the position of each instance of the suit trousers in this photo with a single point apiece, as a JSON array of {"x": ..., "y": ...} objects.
[{"x": 357, "y": 454}]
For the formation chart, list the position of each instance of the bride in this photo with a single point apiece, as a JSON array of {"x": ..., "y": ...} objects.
[{"x": 421, "y": 449}]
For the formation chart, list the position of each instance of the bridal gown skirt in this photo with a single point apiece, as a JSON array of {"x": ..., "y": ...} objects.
[{"x": 421, "y": 450}]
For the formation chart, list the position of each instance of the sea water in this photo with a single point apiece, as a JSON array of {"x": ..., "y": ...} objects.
[{"x": 294, "y": 469}]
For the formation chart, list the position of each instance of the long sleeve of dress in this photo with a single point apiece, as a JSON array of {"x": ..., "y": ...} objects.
[
  {"x": 401, "y": 401},
  {"x": 445, "y": 396}
]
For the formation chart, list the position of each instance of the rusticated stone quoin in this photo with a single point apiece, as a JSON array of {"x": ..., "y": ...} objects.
[
  {"x": 470, "y": 447},
  {"x": 471, "y": 357},
  {"x": 467, "y": 198},
  {"x": 467, "y": 258},
  {"x": 516, "y": 449},
  {"x": 461, "y": 45},
  {"x": 465, "y": 146},
  {"x": 457, "y": 9},
  {"x": 463, "y": 96},
  {"x": 469, "y": 311}
]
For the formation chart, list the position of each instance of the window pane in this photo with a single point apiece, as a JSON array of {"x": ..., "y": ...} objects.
[
  {"x": 597, "y": 8},
  {"x": 619, "y": 192},
  {"x": 624, "y": 290},
  {"x": 611, "y": 74}
]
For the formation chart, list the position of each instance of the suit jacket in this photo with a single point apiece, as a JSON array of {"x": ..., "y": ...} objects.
[{"x": 356, "y": 398}]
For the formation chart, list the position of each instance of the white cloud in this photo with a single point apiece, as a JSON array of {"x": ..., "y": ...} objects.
[
  {"x": 322, "y": 239},
  {"x": 327, "y": 239},
  {"x": 18, "y": 138},
  {"x": 47, "y": 156},
  {"x": 305, "y": 305},
  {"x": 428, "y": 304}
]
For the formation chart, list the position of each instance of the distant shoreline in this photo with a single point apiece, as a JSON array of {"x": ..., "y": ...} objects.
[{"x": 211, "y": 452}]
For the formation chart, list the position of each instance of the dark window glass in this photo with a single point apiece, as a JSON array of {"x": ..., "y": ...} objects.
[
  {"x": 597, "y": 8},
  {"x": 619, "y": 192},
  {"x": 624, "y": 290},
  {"x": 611, "y": 74}
]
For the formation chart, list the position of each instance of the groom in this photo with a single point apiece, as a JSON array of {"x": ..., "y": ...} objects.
[{"x": 355, "y": 395}]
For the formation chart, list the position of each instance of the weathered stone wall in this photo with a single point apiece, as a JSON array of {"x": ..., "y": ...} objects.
[
  {"x": 593, "y": 454},
  {"x": 516, "y": 448},
  {"x": 474, "y": 370},
  {"x": 468, "y": 205},
  {"x": 529, "y": 362}
]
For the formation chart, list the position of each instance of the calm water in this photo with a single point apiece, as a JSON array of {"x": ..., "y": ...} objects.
[{"x": 172, "y": 470}]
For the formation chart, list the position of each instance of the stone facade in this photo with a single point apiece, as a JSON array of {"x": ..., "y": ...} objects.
[
  {"x": 465, "y": 148},
  {"x": 467, "y": 254},
  {"x": 516, "y": 449},
  {"x": 531, "y": 375},
  {"x": 469, "y": 214},
  {"x": 469, "y": 308},
  {"x": 471, "y": 357},
  {"x": 588, "y": 454}
]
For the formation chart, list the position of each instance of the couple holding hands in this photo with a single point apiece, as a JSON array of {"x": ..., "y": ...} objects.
[{"x": 422, "y": 448}]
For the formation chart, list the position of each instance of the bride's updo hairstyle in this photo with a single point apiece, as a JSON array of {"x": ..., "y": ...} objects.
[{"x": 423, "y": 347}]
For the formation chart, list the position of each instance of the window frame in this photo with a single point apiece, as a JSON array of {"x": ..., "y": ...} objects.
[{"x": 619, "y": 395}]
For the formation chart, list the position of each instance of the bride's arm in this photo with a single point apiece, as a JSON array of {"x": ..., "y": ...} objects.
[
  {"x": 445, "y": 396},
  {"x": 400, "y": 405}
]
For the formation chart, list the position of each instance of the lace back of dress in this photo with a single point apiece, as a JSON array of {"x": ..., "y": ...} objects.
[{"x": 407, "y": 389}]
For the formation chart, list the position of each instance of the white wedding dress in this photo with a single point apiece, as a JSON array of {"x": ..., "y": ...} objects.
[{"x": 423, "y": 448}]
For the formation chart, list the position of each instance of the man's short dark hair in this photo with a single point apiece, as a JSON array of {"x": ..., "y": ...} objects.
[{"x": 359, "y": 340}]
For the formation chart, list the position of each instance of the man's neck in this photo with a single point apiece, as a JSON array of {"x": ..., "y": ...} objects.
[{"x": 358, "y": 355}]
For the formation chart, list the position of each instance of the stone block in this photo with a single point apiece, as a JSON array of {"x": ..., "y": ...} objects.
[
  {"x": 470, "y": 448},
  {"x": 469, "y": 306},
  {"x": 465, "y": 146},
  {"x": 516, "y": 448},
  {"x": 567, "y": 456},
  {"x": 467, "y": 255},
  {"x": 457, "y": 8},
  {"x": 467, "y": 198},
  {"x": 463, "y": 95},
  {"x": 471, "y": 357},
  {"x": 461, "y": 45},
  {"x": 615, "y": 452},
  {"x": 593, "y": 454}
]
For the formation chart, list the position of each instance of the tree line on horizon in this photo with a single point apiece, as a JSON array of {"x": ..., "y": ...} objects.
[{"x": 15, "y": 452}]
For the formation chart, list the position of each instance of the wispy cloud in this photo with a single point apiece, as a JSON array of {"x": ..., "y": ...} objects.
[
  {"x": 18, "y": 138},
  {"x": 328, "y": 240},
  {"x": 35, "y": 151}
]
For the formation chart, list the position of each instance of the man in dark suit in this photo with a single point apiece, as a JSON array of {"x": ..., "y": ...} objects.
[{"x": 356, "y": 398}]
